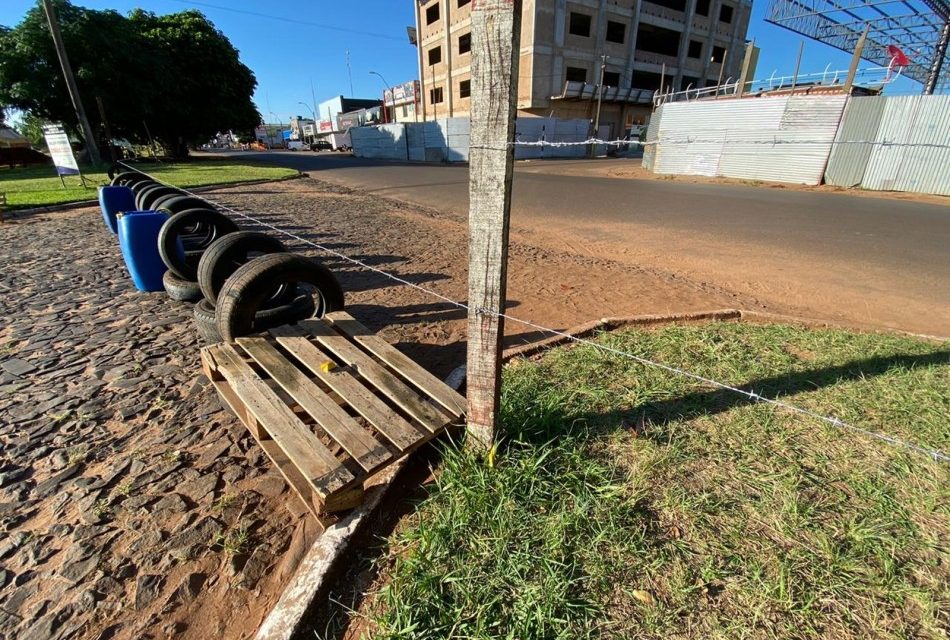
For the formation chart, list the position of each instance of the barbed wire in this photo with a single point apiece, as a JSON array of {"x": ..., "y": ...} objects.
[
  {"x": 935, "y": 454},
  {"x": 737, "y": 141}
]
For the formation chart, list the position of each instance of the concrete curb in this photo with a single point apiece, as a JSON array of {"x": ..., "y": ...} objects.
[{"x": 68, "y": 206}]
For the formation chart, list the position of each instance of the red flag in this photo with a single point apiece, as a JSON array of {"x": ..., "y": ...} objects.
[{"x": 898, "y": 59}]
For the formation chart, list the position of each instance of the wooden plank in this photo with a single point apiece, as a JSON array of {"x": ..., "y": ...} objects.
[
  {"x": 389, "y": 423},
  {"x": 355, "y": 440},
  {"x": 302, "y": 447},
  {"x": 496, "y": 36},
  {"x": 377, "y": 375},
  {"x": 400, "y": 362},
  {"x": 293, "y": 477}
]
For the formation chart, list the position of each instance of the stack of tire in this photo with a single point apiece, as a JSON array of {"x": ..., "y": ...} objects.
[{"x": 243, "y": 282}]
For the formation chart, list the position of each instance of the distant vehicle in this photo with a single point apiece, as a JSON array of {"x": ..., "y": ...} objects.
[
  {"x": 321, "y": 145},
  {"x": 296, "y": 145},
  {"x": 340, "y": 141}
]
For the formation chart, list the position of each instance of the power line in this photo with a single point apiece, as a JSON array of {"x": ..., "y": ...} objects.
[
  {"x": 317, "y": 25},
  {"x": 934, "y": 454}
]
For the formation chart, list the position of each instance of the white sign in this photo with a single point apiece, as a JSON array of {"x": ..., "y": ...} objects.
[{"x": 61, "y": 150}]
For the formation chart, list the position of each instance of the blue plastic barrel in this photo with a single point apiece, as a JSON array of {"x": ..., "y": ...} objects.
[
  {"x": 138, "y": 239},
  {"x": 115, "y": 200}
]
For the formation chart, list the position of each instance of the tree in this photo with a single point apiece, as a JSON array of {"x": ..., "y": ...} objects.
[{"x": 177, "y": 73}]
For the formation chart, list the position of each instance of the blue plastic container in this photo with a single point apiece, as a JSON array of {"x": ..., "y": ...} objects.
[
  {"x": 138, "y": 239},
  {"x": 113, "y": 201}
]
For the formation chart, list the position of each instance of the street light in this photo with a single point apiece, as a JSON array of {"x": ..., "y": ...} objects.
[
  {"x": 387, "y": 87},
  {"x": 314, "y": 113}
]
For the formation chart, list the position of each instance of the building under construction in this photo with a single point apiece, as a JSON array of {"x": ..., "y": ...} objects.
[{"x": 917, "y": 29}]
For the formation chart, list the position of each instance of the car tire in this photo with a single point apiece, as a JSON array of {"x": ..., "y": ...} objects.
[
  {"x": 180, "y": 289},
  {"x": 142, "y": 185},
  {"x": 205, "y": 314},
  {"x": 128, "y": 178},
  {"x": 147, "y": 198},
  {"x": 225, "y": 255},
  {"x": 171, "y": 246},
  {"x": 178, "y": 203},
  {"x": 245, "y": 293}
]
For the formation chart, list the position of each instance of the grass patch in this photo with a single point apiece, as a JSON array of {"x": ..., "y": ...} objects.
[
  {"x": 39, "y": 186},
  {"x": 626, "y": 503}
]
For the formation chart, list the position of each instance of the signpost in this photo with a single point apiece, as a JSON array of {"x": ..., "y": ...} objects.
[
  {"x": 496, "y": 36},
  {"x": 62, "y": 153}
]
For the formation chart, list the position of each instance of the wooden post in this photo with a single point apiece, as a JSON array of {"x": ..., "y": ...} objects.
[
  {"x": 856, "y": 60},
  {"x": 496, "y": 36}
]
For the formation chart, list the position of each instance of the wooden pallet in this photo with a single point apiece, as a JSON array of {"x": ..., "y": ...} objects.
[{"x": 331, "y": 403}]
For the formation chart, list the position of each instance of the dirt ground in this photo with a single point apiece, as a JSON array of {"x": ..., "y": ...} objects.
[{"x": 131, "y": 505}]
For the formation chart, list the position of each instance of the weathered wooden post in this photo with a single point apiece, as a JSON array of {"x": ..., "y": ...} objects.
[{"x": 496, "y": 37}]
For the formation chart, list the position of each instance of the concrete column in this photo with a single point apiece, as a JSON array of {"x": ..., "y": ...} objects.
[
  {"x": 684, "y": 43},
  {"x": 632, "y": 46},
  {"x": 710, "y": 39},
  {"x": 419, "y": 50},
  {"x": 449, "y": 54}
]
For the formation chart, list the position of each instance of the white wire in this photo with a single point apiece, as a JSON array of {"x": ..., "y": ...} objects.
[{"x": 936, "y": 454}]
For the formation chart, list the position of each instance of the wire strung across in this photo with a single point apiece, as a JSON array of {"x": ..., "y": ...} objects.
[{"x": 935, "y": 454}]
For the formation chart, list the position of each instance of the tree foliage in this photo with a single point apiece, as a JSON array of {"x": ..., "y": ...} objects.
[{"x": 175, "y": 73}]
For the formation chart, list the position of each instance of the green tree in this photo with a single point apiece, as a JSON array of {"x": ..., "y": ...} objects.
[{"x": 176, "y": 73}]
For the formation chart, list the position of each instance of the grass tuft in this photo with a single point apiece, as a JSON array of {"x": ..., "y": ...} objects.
[{"x": 624, "y": 502}]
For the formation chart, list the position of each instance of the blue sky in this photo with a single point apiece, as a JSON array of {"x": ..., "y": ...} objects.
[{"x": 295, "y": 46}]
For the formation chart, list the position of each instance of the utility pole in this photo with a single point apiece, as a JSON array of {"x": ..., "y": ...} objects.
[
  {"x": 105, "y": 125},
  {"x": 313, "y": 97},
  {"x": 349, "y": 71},
  {"x": 496, "y": 36},
  {"x": 600, "y": 98},
  {"x": 87, "y": 132}
]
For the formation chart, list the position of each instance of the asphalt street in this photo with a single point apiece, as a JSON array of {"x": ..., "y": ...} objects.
[{"x": 776, "y": 239}]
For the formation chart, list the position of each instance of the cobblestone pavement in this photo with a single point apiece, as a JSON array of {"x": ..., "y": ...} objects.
[
  {"x": 131, "y": 506},
  {"x": 129, "y": 501}
]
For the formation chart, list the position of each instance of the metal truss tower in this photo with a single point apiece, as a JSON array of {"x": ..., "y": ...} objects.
[{"x": 920, "y": 28}]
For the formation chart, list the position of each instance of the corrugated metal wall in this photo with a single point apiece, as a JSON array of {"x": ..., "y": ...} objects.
[
  {"x": 653, "y": 129},
  {"x": 777, "y": 139},
  {"x": 861, "y": 121},
  {"x": 913, "y": 146}
]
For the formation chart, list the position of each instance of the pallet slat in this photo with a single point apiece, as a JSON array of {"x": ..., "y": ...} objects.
[
  {"x": 302, "y": 447},
  {"x": 402, "y": 434},
  {"x": 355, "y": 440},
  {"x": 375, "y": 373},
  {"x": 408, "y": 368}
]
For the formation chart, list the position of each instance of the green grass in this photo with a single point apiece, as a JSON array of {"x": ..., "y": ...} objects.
[
  {"x": 39, "y": 186},
  {"x": 627, "y": 503}
]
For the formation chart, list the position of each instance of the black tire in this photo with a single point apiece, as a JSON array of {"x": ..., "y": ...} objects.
[
  {"x": 142, "y": 185},
  {"x": 205, "y": 313},
  {"x": 211, "y": 225},
  {"x": 148, "y": 197},
  {"x": 226, "y": 254},
  {"x": 245, "y": 293},
  {"x": 179, "y": 203},
  {"x": 181, "y": 290},
  {"x": 114, "y": 169},
  {"x": 128, "y": 178}
]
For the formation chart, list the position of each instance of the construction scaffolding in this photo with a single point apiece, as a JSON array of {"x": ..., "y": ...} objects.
[{"x": 919, "y": 28}]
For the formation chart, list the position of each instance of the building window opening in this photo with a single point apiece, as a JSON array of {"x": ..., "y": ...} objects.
[
  {"x": 611, "y": 78},
  {"x": 580, "y": 24},
  {"x": 465, "y": 43},
  {"x": 702, "y": 7},
  {"x": 695, "y": 49},
  {"x": 465, "y": 89},
  {"x": 436, "y": 95},
  {"x": 432, "y": 14},
  {"x": 725, "y": 14},
  {"x": 654, "y": 39},
  {"x": 576, "y": 74},
  {"x": 718, "y": 54},
  {"x": 462, "y": 3},
  {"x": 435, "y": 55},
  {"x": 616, "y": 32}
]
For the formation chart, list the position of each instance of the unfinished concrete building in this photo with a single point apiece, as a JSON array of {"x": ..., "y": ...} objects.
[{"x": 562, "y": 44}]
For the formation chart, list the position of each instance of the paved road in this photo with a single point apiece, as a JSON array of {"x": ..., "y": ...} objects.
[{"x": 782, "y": 242}]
